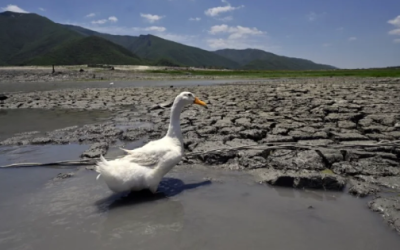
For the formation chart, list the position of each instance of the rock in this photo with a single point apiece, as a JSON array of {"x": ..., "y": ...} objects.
[
  {"x": 166, "y": 104},
  {"x": 347, "y": 124},
  {"x": 96, "y": 150},
  {"x": 389, "y": 208},
  {"x": 302, "y": 135},
  {"x": 214, "y": 157},
  {"x": 348, "y": 136},
  {"x": 41, "y": 140},
  {"x": 3, "y": 97},
  {"x": 331, "y": 155},
  {"x": 253, "y": 134},
  {"x": 375, "y": 166},
  {"x": 293, "y": 160},
  {"x": 317, "y": 142},
  {"x": 277, "y": 138},
  {"x": 303, "y": 179},
  {"x": 245, "y": 122},
  {"x": 62, "y": 176},
  {"x": 362, "y": 189}
]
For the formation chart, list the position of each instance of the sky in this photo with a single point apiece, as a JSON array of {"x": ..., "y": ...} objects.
[{"x": 342, "y": 33}]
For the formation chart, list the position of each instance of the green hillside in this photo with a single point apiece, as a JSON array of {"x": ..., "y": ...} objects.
[
  {"x": 154, "y": 48},
  {"x": 88, "y": 50},
  {"x": 25, "y": 36},
  {"x": 260, "y": 60},
  {"x": 124, "y": 41},
  {"x": 33, "y": 39}
]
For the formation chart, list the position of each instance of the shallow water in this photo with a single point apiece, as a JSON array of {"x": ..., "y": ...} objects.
[
  {"x": 42, "y": 120},
  {"x": 189, "y": 212},
  {"x": 45, "y": 86}
]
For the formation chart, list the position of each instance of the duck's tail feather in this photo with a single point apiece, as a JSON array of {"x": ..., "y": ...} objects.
[
  {"x": 126, "y": 150},
  {"x": 101, "y": 167}
]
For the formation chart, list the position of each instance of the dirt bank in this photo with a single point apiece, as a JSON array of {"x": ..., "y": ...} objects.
[{"x": 84, "y": 73}]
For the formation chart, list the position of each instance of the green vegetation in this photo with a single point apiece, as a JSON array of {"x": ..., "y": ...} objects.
[
  {"x": 255, "y": 59},
  {"x": 381, "y": 72},
  {"x": 154, "y": 48},
  {"x": 25, "y": 36},
  {"x": 88, "y": 50}
]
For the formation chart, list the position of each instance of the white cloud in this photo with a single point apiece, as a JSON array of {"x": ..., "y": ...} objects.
[
  {"x": 397, "y": 40},
  {"x": 101, "y": 21},
  {"x": 395, "y": 21},
  {"x": 353, "y": 38},
  {"x": 327, "y": 45},
  {"x": 90, "y": 15},
  {"x": 41, "y": 9},
  {"x": 237, "y": 37},
  {"x": 340, "y": 29},
  {"x": 113, "y": 19},
  {"x": 394, "y": 32},
  {"x": 151, "y": 18},
  {"x": 151, "y": 28},
  {"x": 221, "y": 9},
  {"x": 195, "y": 19},
  {"x": 235, "y": 31},
  {"x": 14, "y": 8}
]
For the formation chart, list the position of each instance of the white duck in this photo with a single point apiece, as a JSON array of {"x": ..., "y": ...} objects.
[{"x": 143, "y": 168}]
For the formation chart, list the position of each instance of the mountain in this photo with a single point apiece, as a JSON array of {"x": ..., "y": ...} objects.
[
  {"x": 124, "y": 41},
  {"x": 260, "y": 60},
  {"x": 155, "y": 48},
  {"x": 34, "y": 39},
  {"x": 25, "y": 36},
  {"x": 87, "y": 50}
]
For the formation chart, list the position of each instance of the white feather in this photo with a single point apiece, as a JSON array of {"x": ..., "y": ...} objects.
[{"x": 143, "y": 168}]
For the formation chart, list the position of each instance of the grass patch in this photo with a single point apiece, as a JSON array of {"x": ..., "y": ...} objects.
[{"x": 386, "y": 72}]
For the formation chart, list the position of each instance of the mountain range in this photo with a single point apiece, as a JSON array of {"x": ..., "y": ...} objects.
[{"x": 31, "y": 39}]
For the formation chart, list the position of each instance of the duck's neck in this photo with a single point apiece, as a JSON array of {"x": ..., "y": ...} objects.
[{"x": 174, "y": 130}]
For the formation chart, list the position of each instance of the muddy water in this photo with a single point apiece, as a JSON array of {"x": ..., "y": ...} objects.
[
  {"x": 41, "y": 120},
  {"x": 189, "y": 212},
  {"x": 45, "y": 86}
]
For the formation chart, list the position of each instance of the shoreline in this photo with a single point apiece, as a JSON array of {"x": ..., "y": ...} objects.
[{"x": 315, "y": 112}]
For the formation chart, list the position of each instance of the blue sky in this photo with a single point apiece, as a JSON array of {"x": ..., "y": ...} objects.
[{"x": 346, "y": 34}]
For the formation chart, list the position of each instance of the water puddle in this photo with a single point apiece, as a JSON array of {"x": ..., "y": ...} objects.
[
  {"x": 230, "y": 212},
  {"x": 46, "y": 86},
  {"x": 42, "y": 120},
  {"x": 40, "y": 153}
]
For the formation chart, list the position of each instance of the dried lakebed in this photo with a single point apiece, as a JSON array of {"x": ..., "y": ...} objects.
[{"x": 322, "y": 112}]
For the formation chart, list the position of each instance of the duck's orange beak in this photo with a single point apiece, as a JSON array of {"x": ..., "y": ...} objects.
[{"x": 199, "y": 102}]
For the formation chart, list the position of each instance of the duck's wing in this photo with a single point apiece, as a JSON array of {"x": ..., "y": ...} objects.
[{"x": 146, "y": 156}]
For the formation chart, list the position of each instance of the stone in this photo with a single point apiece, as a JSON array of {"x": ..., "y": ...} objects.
[
  {"x": 348, "y": 136},
  {"x": 253, "y": 134},
  {"x": 304, "y": 179},
  {"x": 294, "y": 160},
  {"x": 95, "y": 150},
  {"x": 347, "y": 124},
  {"x": 362, "y": 189},
  {"x": 389, "y": 207}
]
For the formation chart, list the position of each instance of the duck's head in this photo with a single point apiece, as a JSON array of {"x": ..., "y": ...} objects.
[{"x": 189, "y": 98}]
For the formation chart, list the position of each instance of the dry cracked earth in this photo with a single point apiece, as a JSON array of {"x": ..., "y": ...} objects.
[{"x": 330, "y": 125}]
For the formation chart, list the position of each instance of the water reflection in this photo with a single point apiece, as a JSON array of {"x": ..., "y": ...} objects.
[
  {"x": 142, "y": 216},
  {"x": 168, "y": 187}
]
